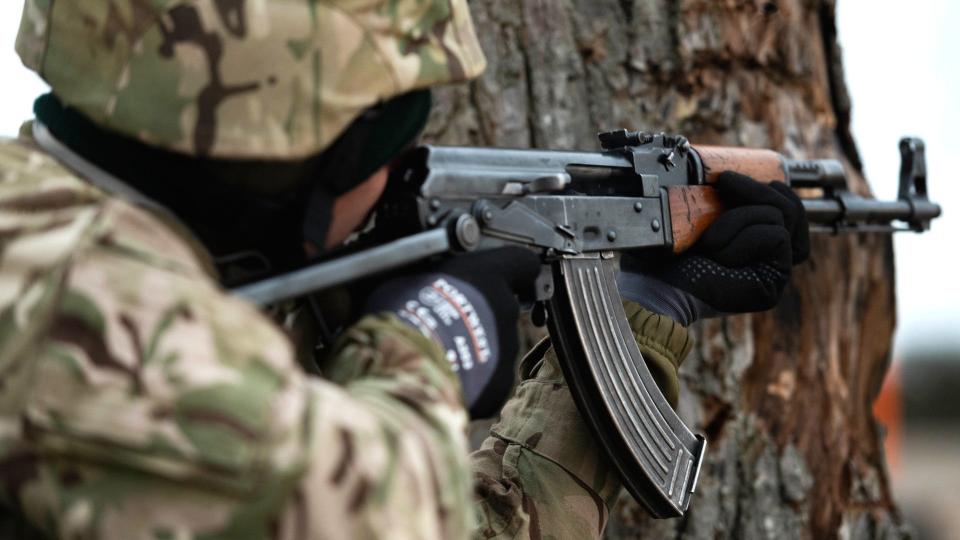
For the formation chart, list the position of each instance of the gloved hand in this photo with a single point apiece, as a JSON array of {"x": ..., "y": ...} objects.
[
  {"x": 468, "y": 306},
  {"x": 741, "y": 263}
]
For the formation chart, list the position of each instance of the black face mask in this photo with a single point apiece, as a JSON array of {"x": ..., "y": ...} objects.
[
  {"x": 371, "y": 142},
  {"x": 252, "y": 215}
]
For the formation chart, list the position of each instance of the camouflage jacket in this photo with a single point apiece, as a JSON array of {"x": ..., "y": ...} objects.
[{"x": 138, "y": 399}]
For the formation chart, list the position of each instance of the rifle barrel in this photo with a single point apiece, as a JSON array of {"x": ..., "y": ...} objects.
[{"x": 851, "y": 209}]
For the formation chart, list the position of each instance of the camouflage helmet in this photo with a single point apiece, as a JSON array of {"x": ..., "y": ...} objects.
[{"x": 243, "y": 79}]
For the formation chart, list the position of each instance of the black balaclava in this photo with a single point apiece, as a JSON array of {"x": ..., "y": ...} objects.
[{"x": 246, "y": 206}]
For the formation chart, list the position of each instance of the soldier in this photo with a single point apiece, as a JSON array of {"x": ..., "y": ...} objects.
[{"x": 188, "y": 145}]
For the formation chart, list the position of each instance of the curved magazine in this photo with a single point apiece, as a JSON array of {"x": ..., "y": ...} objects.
[{"x": 657, "y": 457}]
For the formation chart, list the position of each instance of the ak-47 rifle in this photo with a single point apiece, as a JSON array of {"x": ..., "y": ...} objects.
[{"x": 576, "y": 210}]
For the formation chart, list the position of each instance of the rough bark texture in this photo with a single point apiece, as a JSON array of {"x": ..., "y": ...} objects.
[{"x": 784, "y": 397}]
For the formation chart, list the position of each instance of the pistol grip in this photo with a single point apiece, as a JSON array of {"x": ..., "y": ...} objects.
[{"x": 657, "y": 457}]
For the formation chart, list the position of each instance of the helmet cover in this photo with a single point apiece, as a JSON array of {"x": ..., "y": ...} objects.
[{"x": 243, "y": 79}]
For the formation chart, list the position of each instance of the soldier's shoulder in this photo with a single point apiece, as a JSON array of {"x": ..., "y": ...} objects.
[
  {"x": 49, "y": 206},
  {"x": 45, "y": 215},
  {"x": 31, "y": 181},
  {"x": 124, "y": 363}
]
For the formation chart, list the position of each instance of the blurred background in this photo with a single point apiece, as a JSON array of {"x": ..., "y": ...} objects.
[{"x": 902, "y": 62}]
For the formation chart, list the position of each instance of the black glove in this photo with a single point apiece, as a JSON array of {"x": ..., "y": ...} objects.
[
  {"x": 468, "y": 305},
  {"x": 741, "y": 263}
]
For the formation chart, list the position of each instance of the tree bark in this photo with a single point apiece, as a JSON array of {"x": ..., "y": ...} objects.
[{"x": 784, "y": 397}]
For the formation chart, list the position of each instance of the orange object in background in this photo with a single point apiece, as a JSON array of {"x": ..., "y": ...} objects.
[{"x": 888, "y": 410}]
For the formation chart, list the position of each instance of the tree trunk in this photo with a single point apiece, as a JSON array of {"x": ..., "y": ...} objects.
[{"x": 784, "y": 397}]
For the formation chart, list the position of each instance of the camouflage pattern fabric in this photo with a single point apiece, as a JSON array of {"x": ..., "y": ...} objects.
[
  {"x": 539, "y": 474},
  {"x": 138, "y": 400},
  {"x": 263, "y": 79}
]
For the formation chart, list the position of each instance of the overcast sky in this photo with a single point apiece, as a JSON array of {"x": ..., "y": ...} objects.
[{"x": 903, "y": 73}]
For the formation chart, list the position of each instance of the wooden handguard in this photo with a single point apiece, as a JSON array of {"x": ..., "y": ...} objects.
[
  {"x": 694, "y": 208},
  {"x": 761, "y": 165}
]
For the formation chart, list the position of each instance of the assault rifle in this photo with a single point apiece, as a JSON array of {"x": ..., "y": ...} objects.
[{"x": 577, "y": 209}]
